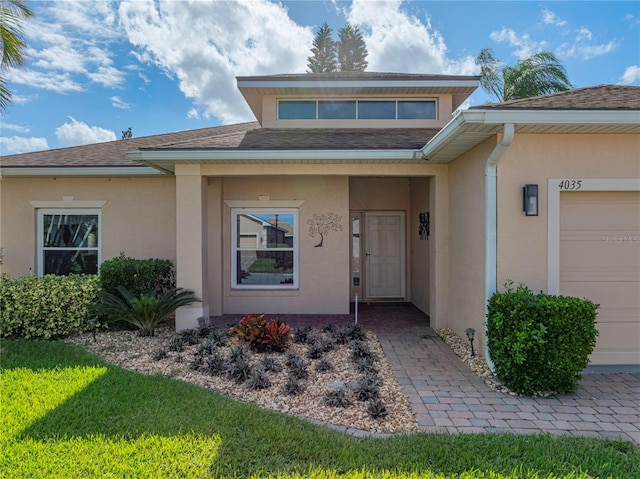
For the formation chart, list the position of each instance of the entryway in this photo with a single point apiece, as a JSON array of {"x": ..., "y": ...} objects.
[{"x": 378, "y": 255}]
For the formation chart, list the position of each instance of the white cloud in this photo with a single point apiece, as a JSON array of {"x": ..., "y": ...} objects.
[
  {"x": 631, "y": 75},
  {"x": 585, "y": 51},
  {"x": 525, "y": 45},
  {"x": 206, "y": 44},
  {"x": 73, "y": 40},
  {"x": 16, "y": 128},
  {"x": 56, "y": 82},
  {"x": 400, "y": 42},
  {"x": 550, "y": 18},
  {"x": 583, "y": 34},
  {"x": 117, "y": 102},
  {"x": 79, "y": 133},
  {"x": 18, "y": 144},
  {"x": 107, "y": 76}
]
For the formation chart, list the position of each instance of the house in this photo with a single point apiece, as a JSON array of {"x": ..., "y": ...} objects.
[{"x": 368, "y": 184}]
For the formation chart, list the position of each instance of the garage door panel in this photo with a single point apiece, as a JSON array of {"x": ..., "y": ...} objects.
[
  {"x": 600, "y": 260},
  {"x": 610, "y": 296}
]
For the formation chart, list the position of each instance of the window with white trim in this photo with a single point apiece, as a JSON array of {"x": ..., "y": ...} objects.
[
  {"x": 264, "y": 248},
  {"x": 69, "y": 241}
]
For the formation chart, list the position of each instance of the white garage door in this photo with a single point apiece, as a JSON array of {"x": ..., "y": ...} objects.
[{"x": 600, "y": 260}]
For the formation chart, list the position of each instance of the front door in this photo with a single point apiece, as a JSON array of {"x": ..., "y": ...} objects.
[{"x": 385, "y": 255}]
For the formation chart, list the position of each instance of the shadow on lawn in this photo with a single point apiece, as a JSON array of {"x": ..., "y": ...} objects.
[{"x": 122, "y": 404}]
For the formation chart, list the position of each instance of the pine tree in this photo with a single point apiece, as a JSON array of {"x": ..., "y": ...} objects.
[
  {"x": 324, "y": 51},
  {"x": 352, "y": 51}
]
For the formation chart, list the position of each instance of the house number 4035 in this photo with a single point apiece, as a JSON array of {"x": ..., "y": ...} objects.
[{"x": 570, "y": 184}]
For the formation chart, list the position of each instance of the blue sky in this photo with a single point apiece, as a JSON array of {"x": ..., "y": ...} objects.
[{"x": 97, "y": 67}]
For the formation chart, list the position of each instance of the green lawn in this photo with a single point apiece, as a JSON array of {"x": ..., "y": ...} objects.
[{"x": 65, "y": 413}]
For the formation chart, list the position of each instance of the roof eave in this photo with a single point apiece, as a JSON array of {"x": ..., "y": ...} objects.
[
  {"x": 486, "y": 123},
  {"x": 59, "y": 171}
]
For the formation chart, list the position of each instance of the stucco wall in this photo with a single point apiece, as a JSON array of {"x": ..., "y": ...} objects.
[
  {"x": 418, "y": 247},
  {"x": 323, "y": 271},
  {"x": 137, "y": 218},
  {"x": 467, "y": 242},
  {"x": 522, "y": 240}
]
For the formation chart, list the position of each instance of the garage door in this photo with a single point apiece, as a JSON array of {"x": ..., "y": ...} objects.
[{"x": 600, "y": 260}]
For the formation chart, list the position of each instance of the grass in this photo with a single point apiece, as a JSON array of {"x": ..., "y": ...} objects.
[{"x": 65, "y": 413}]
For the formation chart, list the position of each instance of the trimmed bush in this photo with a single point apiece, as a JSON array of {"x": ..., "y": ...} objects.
[
  {"x": 46, "y": 307},
  {"x": 137, "y": 275},
  {"x": 539, "y": 343}
]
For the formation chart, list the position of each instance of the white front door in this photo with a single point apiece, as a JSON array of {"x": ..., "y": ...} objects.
[{"x": 385, "y": 255}]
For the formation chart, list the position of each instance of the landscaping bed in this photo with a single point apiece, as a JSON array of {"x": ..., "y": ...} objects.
[{"x": 339, "y": 396}]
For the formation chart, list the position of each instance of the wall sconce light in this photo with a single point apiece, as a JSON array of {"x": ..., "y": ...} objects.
[
  {"x": 470, "y": 334},
  {"x": 530, "y": 200}
]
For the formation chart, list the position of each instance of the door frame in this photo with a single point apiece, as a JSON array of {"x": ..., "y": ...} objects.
[{"x": 365, "y": 216}]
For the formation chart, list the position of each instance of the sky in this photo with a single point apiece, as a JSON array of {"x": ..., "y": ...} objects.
[{"x": 95, "y": 68}]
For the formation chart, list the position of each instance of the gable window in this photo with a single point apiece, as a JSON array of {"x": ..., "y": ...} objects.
[
  {"x": 357, "y": 109},
  {"x": 265, "y": 248},
  {"x": 69, "y": 241}
]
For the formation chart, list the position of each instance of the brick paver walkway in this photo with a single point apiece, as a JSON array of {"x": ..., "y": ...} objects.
[{"x": 446, "y": 396}]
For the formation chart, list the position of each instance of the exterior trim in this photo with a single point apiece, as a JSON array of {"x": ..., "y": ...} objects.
[
  {"x": 81, "y": 171},
  {"x": 324, "y": 84},
  {"x": 68, "y": 202},
  {"x": 553, "y": 217}
]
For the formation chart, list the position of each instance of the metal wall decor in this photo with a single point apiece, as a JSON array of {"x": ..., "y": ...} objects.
[
  {"x": 321, "y": 224},
  {"x": 424, "y": 226}
]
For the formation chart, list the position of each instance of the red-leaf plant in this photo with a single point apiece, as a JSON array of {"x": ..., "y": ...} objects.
[{"x": 261, "y": 333}]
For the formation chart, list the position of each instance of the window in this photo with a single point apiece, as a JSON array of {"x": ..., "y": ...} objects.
[
  {"x": 337, "y": 110},
  {"x": 416, "y": 110},
  {"x": 356, "y": 109},
  {"x": 69, "y": 241},
  {"x": 265, "y": 248},
  {"x": 377, "y": 110},
  {"x": 297, "y": 110}
]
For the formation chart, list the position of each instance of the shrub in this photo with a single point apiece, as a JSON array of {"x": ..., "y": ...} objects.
[
  {"x": 145, "y": 311},
  {"x": 239, "y": 369},
  {"x": 271, "y": 364},
  {"x": 324, "y": 365},
  {"x": 300, "y": 334},
  {"x": 376, "y": 408},
  {"x": 137, "y": 275},
  {"x": 258, "y": 379},
  {"x": 262, "y": 334},
  {"x": 366, "y": 389},
  {"x": 293, "y": 386},
  {"x": 337, "y": 398},
  {"x": 46, "y": 307},
  {"x": 539, "y": 343}
]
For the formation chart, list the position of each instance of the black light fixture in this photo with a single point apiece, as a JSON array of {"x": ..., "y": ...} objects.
[
  {"x": 92, "y": 324},
  {"x": 530, "y": 200},
  {"x": 470, "y": 334}
]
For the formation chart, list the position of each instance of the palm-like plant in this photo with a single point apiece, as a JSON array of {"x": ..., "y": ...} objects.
[
  {"x": 538, "y": 74},
  {"x": 145, "y": 311},
  {"x": 12, "y": 14}
]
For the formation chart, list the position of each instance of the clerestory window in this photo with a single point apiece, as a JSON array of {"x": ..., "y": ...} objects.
[{"x": 357, "y": 109}]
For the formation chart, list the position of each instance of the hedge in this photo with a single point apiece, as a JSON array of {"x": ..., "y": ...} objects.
[
  {"x": 45, "y": 307},
  {"x": 137, "y": 275},
  {"x": 540, "y": 343}
]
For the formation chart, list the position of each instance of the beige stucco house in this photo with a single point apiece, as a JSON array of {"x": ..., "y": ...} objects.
[{"x": 368, "y": 184}]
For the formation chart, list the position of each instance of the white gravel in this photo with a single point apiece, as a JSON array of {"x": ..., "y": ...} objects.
[{"x": 131, "y": 351}]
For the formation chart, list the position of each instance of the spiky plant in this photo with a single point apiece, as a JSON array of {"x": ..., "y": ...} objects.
[
  {"x": 365, "y": 390},
  {"x": 300, "y": 334},
  {"x": 376, "y": 408},
  {"x": 215, "y": 364},
  {"x": 293, "y": 386},
  {"x": 145, "y": 311},
  {"x": 270, "y": 364},
  {"x": 337, "y": 398},
  {"x": 258, "y": 379},
  {"x": 159, "y": 354},
  {"x": 324, "y": 365}
]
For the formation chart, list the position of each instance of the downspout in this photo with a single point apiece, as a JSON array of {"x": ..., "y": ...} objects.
[{"x": 491, "y": 222}]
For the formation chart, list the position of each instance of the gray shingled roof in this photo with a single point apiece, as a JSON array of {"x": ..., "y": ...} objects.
[
  {"x": 244, "y": 136},
  {"x": 600, "y": 97}
]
